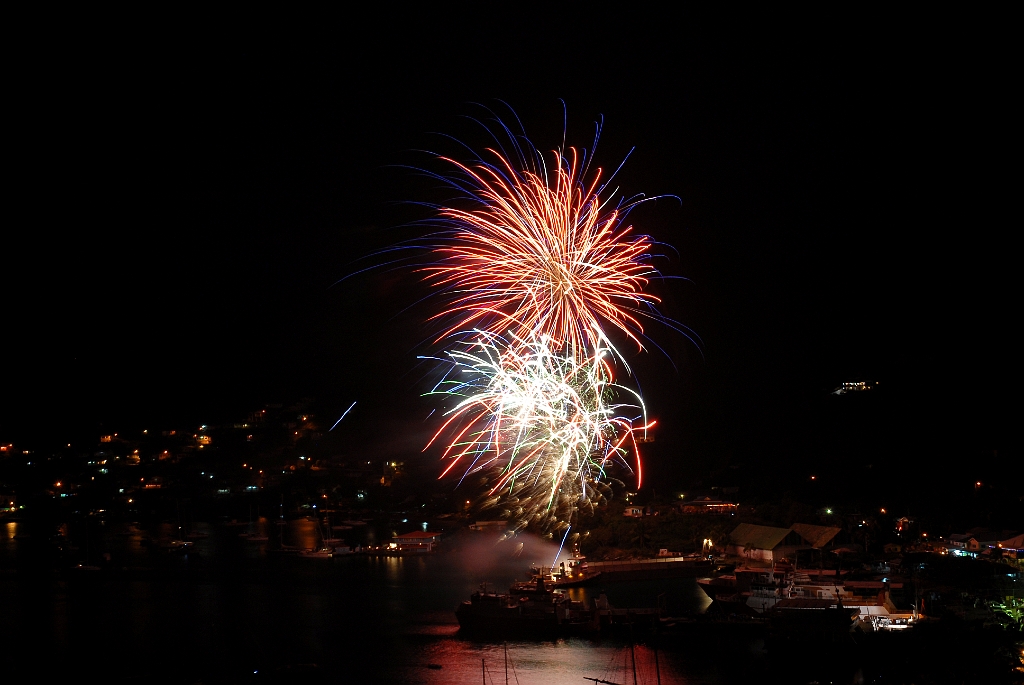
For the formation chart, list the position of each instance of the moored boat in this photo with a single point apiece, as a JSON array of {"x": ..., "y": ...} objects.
[
  {"x": 532, "y": 610},
  {"x": 570, "y": 573}
]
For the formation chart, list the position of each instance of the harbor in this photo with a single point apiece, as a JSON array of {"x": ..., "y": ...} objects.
[{"x": 231, "y": 610}]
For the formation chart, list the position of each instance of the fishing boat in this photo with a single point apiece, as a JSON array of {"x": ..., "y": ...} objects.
[
  {"x": 572, "y": 572},
  {"x": 532, "y": 610}
]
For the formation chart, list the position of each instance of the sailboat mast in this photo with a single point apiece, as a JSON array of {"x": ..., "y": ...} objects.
[
  {"x": 632, "y": 653},
  {"x": 657, "y": 670}
]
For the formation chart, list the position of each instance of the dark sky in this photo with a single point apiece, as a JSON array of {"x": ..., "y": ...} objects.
[{"x": 186, "y": 206}]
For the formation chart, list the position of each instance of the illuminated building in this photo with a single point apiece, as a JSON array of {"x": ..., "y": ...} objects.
[{"x": 416, "y": 541}]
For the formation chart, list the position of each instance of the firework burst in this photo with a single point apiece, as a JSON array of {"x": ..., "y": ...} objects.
[
  {"x": 541, "y": 426},
  {"x": 536, "y": 265},
  {"x": 540, "y": 258},
  {"x": 532, "y": 250}
]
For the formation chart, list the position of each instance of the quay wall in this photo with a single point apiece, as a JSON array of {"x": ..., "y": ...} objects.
[{"x": 645, "y": 568}]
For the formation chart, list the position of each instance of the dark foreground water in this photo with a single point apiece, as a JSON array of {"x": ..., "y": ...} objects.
[{"x": 233, "y": 613}]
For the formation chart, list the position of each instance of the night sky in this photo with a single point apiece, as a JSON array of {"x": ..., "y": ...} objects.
[{"x": 184, "y": 211}]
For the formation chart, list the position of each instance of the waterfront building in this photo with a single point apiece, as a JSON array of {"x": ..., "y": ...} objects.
[
  {"x": 416, "y": 541},
  {"x": 771, "y": 544}
]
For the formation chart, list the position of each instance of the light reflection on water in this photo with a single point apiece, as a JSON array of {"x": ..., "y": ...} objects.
[{"x": 533, "y": 663}]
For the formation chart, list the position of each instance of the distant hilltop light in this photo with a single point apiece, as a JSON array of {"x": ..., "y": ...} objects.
[{"x": 855, "y": 386}]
